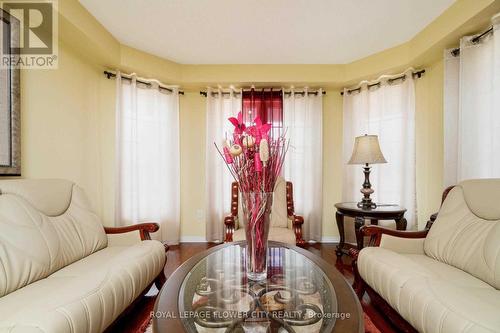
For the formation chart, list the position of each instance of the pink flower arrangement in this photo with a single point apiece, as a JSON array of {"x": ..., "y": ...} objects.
[
  {"x": 253, "y": 157},
  {"x": 255, "y": 160}
]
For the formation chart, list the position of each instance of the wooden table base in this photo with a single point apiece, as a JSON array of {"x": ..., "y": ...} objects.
[{"x": 381, "y": 212}]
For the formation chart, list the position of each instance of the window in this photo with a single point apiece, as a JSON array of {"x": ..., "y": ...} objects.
[
  {"x": 148, "y": 157},
  {"x": 267, "y": 104}
]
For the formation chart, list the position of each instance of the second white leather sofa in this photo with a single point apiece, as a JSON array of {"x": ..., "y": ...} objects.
[{"x": 446, "y": 280}]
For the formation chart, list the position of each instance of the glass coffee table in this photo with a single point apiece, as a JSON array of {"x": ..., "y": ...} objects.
[{"x": 211, "y": 293}]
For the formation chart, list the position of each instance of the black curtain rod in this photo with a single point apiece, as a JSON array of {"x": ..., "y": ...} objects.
[
  {"x": 204, "y": 93},
  {"x": 417, "y": 74},
  {"x": 109, "y": 75},
  {"x": 303, "y": 92},
  {"x": 456, "y": 51}
]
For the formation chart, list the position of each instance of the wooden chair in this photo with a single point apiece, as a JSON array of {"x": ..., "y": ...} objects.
[{"x": 289, "y": 231}]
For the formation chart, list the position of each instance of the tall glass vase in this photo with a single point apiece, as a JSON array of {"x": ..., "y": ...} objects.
[{"x": 256, "y": 219}]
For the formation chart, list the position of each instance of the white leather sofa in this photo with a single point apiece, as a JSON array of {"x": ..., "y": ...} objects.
[
  {"x": 59, "y": 270},
  {"x": 446, "y": 280}
]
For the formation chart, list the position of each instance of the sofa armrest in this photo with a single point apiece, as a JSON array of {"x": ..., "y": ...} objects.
[
  {"x": 403, "y": 245},
  {"x": 139, "y": 231},
  {"x": 411, "y": 242}
]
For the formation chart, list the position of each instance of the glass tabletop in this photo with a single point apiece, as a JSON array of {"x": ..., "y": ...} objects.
[{"x": 297, "y": 296}]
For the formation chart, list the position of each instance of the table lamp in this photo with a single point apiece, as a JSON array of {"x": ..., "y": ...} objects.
[{"x": 367, "y": 151}]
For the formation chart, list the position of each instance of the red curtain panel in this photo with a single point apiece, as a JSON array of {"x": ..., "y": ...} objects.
[{"x": 267, "y": 104}]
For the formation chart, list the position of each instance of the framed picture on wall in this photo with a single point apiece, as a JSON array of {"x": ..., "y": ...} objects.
[{"x": 10, "y": 121}]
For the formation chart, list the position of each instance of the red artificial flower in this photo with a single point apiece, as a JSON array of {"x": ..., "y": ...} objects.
[
  {"x": 259, "y": 131},
  {"x": 239, "y": 125}
]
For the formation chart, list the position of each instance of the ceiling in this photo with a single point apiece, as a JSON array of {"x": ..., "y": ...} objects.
[{"x": 264, "y": 31}]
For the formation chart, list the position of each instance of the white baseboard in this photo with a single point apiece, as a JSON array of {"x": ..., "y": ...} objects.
[
  {"x": 330, "y": 239},
  {"x": 201, "y": 239},
  {"x": 193, "y": 239}
]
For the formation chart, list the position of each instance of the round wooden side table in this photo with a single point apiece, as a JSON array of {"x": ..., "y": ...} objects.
[{"x": 381, "y": 212}]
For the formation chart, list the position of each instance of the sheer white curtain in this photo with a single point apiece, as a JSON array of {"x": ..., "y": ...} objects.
[
  {"x": 148, "y": 163},
  {"x": 220, "y": 106},
  {"x": 303, "y": 121},
  {"x": 387, "y": 110},
  {"x": 472, "y": 109}
]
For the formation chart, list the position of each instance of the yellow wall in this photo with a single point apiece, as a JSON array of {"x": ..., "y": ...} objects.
[
  {"x": 106, "y": 132},
  {"x": 192, "y": 131},
  {"x": 68, "y": 114},
  {"x": 332, "y": 159},
  {"x": 61, "y": 113},
  {"x": 429, "y": 139}
]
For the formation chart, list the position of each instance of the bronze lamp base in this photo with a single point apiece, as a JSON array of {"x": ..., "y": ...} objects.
[{"x": 366, "y": 202}]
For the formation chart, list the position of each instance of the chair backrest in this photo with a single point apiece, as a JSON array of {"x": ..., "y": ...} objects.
[
  {"x": 466, "y": 233},
  {"x": 279, "y": 209},
  {"x": 44, "y": 226}
]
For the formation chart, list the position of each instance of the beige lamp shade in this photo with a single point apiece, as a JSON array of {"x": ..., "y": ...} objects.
[{"x": 367, "y": 150}]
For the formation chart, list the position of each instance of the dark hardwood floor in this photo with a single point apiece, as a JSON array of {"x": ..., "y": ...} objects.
[{"x": 176, "y": 255}]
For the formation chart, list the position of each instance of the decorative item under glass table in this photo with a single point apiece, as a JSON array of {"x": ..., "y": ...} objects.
[{"x": 211, "y": 292}]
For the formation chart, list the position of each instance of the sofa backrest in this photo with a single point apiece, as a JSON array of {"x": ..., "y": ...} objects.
[
  {"x": 466, "y": 233},
  {"x": 44, "y": 226}
]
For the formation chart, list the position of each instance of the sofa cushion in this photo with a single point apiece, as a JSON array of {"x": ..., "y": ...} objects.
[
  {"x": 466, "y": 233},
  {"x": 283, "y": 235},
  {"x": 86, "y": 296},
  {"x": 432, "y": 296},
  {"x": 44, "y": 226}
]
